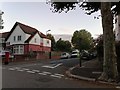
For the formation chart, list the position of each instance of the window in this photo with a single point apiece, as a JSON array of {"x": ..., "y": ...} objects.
[
  {"x": 2, "y": 40},
  {"x": 14, "y": 38},
  {"x": 21, "y": 49},
  {"x": 18, "y": 49},
  {"x": 19, "y": 38},
  {"x": 35, "y": 40},
  {"x": 47, "y": 41}
]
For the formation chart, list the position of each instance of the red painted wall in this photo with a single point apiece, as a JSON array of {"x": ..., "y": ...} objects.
[
  {"x": 33, "y": 47},
  {"x": 26, "y": 49},
  {"x": 47, "y": 49}
]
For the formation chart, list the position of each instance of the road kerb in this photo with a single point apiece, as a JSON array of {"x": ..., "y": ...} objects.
[
  {"x": 68, "y": 73},
  {"x": 79, "y": 77}
]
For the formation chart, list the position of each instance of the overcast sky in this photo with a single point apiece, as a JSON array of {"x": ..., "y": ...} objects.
[{"x": 39, "y": 16}]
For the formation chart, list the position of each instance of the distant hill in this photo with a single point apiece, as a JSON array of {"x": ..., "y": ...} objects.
[{"x": 63, "y": 37}]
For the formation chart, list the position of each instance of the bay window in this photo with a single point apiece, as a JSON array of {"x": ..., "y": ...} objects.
[{"x": 18, "y": 49}]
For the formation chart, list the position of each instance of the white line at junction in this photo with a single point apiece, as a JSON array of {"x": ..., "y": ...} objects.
[
  {"x": 55, "y": 76},
  {"x": 30, "y": 72},
  {"x": 51, "y": 67},
  {"x": 42, "y": 73}
]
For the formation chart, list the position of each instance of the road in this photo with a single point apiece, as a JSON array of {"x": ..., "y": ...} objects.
[{"x": 49, "y": 74}]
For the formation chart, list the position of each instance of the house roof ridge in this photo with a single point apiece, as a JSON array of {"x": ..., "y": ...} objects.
[{"x": 27, "y": 29}]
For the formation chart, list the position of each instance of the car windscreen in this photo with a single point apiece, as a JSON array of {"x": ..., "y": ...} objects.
[
  {"x": 63, "y": 53},
  {"x": 74, "y": 52}
]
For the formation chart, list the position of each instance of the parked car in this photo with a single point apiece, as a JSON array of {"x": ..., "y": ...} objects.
[
  {"x": 2, "y": 55},
  {"x": 75, "y": 54},
  {"x": 94, "y": 54},
  {"x": 85, "y": 55},
  {"x": 65, "y": 55}
]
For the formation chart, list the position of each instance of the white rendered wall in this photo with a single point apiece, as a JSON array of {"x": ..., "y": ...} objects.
[
  {"x": 38, "y": 39},
  {"x": 46, "y": 42},
  {"x": 18, "y": 32}
]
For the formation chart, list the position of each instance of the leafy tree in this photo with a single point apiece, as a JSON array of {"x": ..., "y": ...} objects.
[
  {"x": 51, "y": 37},
  {"x": 1, "y": 20},
  {"x": 62, "y": 45},
  {"x": 107, "y": 12},
  {"x": 82, "y": 40}
]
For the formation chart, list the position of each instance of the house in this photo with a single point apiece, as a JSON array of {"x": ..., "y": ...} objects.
[
  {"x": 117, "y": 27},
  {"x": 23, "y": 40},
  {"x": 2, "y": 40}
]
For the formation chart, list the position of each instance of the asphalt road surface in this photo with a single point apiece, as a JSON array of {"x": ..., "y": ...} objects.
[{"x": 49, "y": 74}]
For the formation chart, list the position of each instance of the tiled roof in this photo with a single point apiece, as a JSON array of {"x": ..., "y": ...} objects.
[
  {"x": 42, "y": 35},
  {"x": 28, "y": 30},
  {"x": 4, "y": 35},
  {"x": 27, "y": 41}
]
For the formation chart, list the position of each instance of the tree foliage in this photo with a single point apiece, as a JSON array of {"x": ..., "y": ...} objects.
[
  {"x": 51, "y": 37},
  {"x": 62, "y": 45},
  {"x": 89, "y": 7},
  {"x": 1, "y": 20},
  {"x": 82, "y": 39},
  {"x": 108, "y": 10}
]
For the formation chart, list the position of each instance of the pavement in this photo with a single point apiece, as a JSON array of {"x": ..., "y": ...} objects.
[{"x": 89, "y": 71}]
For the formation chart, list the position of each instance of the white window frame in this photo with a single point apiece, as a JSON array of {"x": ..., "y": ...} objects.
[
  {"x": 35, "y": 40},
  {"x": 14, "y": 38},
  {"x": 18, "y": 49},
  {"x": 19, "y": 38}
]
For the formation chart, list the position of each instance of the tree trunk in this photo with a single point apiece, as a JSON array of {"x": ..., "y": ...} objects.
[{"x": 109, "y": 64}]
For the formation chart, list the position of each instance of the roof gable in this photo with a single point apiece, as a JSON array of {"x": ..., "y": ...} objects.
[
  {"x": 28, "y": 40},
  {"x": 28, "y": 30}
]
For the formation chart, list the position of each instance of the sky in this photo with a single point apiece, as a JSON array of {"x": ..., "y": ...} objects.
[{"x": 39, "y": 16}]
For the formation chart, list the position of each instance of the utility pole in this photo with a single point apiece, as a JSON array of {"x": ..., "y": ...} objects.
[{"x": 50, "y": 50}]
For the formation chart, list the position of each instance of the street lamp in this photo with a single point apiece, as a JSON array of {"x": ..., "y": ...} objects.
[
  {"x": 47, "y": 31},
  {"x": 50, "y": 51}
]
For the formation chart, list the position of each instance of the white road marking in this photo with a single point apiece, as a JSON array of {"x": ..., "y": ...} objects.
[
  {"x": 48, "y": 66},
  {"x": 16, "y": 67},
  {"x": 35, "y": 70},
  {"x": 28, "y": 65},
  {"x": 58, "y": 65},
  {"x": 59, "y": 74},
  {"x": 11, "y": 69},
  {"x": 25, "y": 69},
  {"x": 20, "y": 70},
  {"x": 46, "y": 72},
  {"x": 30, "y": 72},
  {"x": 42, "y": 73},
  {"x": 55, "y": 76}
]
